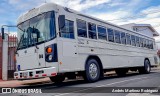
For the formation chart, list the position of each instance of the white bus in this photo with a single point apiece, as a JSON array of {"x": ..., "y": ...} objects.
[{"x": 58, "y": 42}]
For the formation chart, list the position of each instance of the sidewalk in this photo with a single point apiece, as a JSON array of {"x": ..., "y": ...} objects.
[{"x": 16, "y": 83}]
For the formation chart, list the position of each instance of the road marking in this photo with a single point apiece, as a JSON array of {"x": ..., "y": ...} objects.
[
  {"x": 101, "y": 86},
  {"x": 140, "y": 94},
  {"x": 121, "y": 82}
]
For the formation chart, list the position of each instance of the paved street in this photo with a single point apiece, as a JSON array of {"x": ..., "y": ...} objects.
[{"x": 81, "y": 88}]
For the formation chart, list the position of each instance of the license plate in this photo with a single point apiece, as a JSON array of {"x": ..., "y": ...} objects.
[{"x": 25, "y": 74}]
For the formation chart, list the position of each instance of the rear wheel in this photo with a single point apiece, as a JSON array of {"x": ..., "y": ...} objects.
[
  {"x": 57, "y": 79},
  {"x": 146, "y": 68},
  {"x": 92, "y": 71}
]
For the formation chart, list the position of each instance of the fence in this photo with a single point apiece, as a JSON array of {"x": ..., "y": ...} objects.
[
  {"x": 7, "y": 56},
  {"x": 12, "y": 44}
]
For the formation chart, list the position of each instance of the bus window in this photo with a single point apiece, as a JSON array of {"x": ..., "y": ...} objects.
[
  {"x": 110, "y": 35},
  {"x": 117, "y": 36},
  {"x": 68, "y": 30},
  {"x": 141, "y": 42},
  {"x": 81, "y": 28},
  {"x": 102, "y": 33},
  {"x": 151, "y": 45},
  {"x": 147, "y": 44},
  {"x": 137, "y": 41},
  {"x": 128, "y": 39},
  {"x": 123, "y": 38},
  {"x": 92, "y": 31},
  {"x": 133, "y": 40},
  {"x": 144, "y": 42}
]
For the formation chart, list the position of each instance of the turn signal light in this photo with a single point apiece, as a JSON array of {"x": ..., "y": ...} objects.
[{"x": 49, "y": 50}]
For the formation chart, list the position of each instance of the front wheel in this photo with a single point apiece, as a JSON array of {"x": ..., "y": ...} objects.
[
  {"x": 92, "y": 71},
  {"x": 146, "y": 68}
]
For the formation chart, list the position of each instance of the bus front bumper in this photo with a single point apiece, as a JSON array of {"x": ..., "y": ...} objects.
[{"x": 35, "y": 73}]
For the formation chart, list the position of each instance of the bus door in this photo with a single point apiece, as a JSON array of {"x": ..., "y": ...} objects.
[{"x": 69, "y": 48}]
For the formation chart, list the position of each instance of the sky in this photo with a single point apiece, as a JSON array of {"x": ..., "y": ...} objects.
[{"x": 115, "y": 11}]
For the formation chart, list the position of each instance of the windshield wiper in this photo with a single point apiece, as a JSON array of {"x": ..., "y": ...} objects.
[
  {"x": 20, "y": 38},
  {"x": 35, "y": 43}
]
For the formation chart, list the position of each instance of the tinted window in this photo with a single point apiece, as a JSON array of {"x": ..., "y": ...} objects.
[
  {"x": 68, "y": 30},
  {"x": 81, "y": 28},
  {"x": 133, "y": 40},
  {"x": 102, "y": 33},
  {"x": 147, "y": 43},
  {"x": 151, "y": 44},
  {"x": 92, "y": 31},
  {"x": 144, "y": 43},
  {"x": 123, "y": 38},
  {"x": 137, "y": 41},
  {"x": 128, "y": 37},
  {"x": 110, "y": 35},
  {"x": 141, "y": 42},
  {"x": 117, "y": 37}
]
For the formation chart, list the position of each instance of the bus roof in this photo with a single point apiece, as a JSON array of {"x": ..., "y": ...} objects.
[{"x": 52, "y": 6}]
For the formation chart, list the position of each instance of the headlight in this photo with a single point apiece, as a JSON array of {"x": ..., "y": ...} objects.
[{"x": 50, "y": 57}]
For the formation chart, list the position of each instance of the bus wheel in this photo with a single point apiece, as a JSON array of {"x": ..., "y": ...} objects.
[
  {"x": 92, "y": 71},
  {"x": 121, "y": 72},
  {"x": 57, "y": 79},
  {"x": 146, "y": 68}
]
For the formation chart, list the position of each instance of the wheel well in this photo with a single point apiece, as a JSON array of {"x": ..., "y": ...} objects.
[{"x": 98, "y": 60}]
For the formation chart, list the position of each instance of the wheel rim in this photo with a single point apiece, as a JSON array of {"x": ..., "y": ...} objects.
[
  {"x": 147, "y": 66},
  {"x": 93, "y": 70}
]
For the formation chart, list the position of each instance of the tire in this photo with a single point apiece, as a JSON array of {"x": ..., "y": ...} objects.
[
  {"x": 92, "y": 71},
  {"x": 121, "y": 72},
  {"x": 146, "y": 68},
  {"x": 57, "y": 79}
]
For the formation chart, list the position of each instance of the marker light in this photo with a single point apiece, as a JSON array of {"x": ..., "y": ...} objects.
[{"x": 49, "y": 50}]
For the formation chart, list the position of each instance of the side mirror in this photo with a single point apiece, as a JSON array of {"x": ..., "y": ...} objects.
[
  {"x": 2, "y": 31},
  {"x": 61, "y": 21}
]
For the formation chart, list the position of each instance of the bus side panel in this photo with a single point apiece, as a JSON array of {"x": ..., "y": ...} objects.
[
  {"x": 115, "y": 55},
  {"x": 110, "y": 61},
  {"x": 67, "y": 55}
]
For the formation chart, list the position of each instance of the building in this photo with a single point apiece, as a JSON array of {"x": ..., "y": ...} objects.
[{"x": 146, "y": 29}]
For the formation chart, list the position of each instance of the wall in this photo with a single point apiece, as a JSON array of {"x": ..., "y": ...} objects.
[{"x": 145, "y": 30}]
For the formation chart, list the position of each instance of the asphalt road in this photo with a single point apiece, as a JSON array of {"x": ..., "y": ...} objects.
[{"x": 100, "y": 88}]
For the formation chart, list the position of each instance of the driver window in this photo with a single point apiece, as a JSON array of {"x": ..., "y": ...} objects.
[{"x": 68, "y": 30}]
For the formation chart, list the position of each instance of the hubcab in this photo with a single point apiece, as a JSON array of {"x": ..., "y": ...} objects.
[{"x": 93, "y": 70}]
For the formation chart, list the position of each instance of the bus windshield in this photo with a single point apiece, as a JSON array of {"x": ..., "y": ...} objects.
[{"x": 36, "y": 30}]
